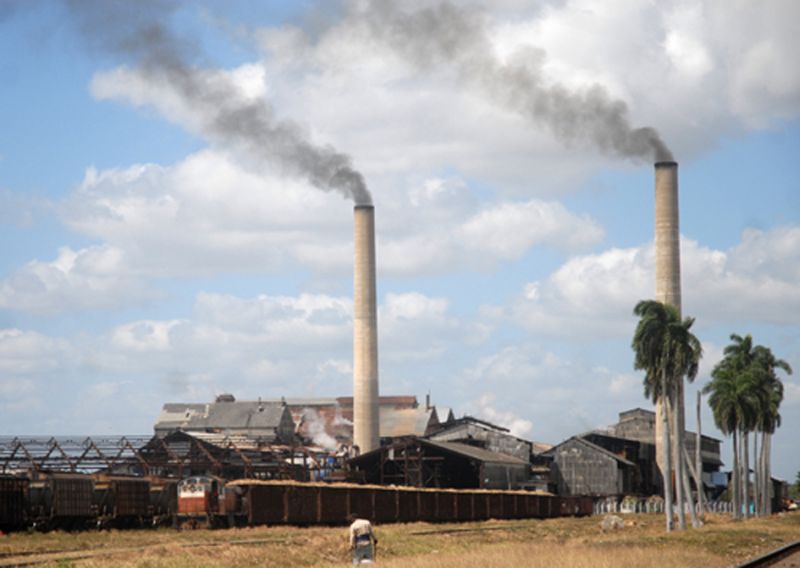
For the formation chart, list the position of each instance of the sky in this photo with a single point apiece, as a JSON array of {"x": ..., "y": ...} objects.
[{"x": 177, "y": 183}]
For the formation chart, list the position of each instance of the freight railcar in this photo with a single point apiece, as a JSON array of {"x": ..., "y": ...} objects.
[
  {"x": 13, "y": 500},
  {"x": 318, "y": 503},
  {"x": 122, "y": 501},
  {"x": 74, "y": 501},
  {"x": 63, "y": 501},
  {"x": 163, "y": 501}
]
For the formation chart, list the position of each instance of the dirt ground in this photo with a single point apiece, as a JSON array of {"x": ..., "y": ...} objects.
[{"x": 554, "y": 542}]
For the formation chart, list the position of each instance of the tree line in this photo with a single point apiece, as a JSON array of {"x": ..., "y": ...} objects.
[{"x": 745, "y": 393}]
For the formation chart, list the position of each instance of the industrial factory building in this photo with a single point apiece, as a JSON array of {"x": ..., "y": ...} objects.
[
  {"x": 308, "y": 438},
  {"x": 583, "y": 468},
  {"x": 263, "y": 420},
  {"x": 231, "y": 456},
  {"x": 324, "y": 422},
  {"x": 621, "y": 459},
  {"x": 639, "y": 424},
  {"x": 476, "y": 432},
  {"x": 419, "y": 462}
]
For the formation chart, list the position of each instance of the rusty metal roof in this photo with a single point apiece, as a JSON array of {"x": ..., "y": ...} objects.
[{"x": 395, "y": 422}]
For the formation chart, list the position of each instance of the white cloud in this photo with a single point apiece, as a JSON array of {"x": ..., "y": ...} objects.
[
  {"x": 29, "y": 353},
  {"x": 546, "y": 395},
  {"x": 518, "y": 426},
  {"x": 207, "y": 215},
  {"x": 662, "y": 59},
  {"x": 510, "y": 229},
  {"x": 28, "y": 361},
  {"x": 269, "y": 345},
  {"x": 203, "y": 215},
  {"x": 144, "y": 335},
  {"x": 91, "y": 278},
  {"x": 593, "y": 295},
  {"x": 413, "y": 327}
]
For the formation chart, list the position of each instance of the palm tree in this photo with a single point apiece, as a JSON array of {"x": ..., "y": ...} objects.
[
  {"x": 744, "y": 398},
  {"x": 725, "y": 401},
  {"x": 741, "y": 355},
  {"x": 666, "y": 350},
  {"x": 770, "y": 419}
]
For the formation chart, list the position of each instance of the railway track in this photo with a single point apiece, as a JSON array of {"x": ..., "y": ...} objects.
[{"x": 783, "y": 557}]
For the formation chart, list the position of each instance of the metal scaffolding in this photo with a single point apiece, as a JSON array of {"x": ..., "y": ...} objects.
[{"x": 175, "y": 455}]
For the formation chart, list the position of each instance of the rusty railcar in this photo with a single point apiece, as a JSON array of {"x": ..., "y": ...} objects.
[
  {"x": 13, "y": 499},
  {"x": 60, "y": 500},
  {"x": 319, "y": 503},
  {"x": 122, "y": 501},
  {"x": 163, "y": 501}
]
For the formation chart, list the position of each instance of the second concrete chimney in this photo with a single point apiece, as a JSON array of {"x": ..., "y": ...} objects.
[{"x": 366, "y": 422}]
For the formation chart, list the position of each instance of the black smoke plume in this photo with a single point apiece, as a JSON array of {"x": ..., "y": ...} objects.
[
  {"x": 449, "y": 35},
  {"x": 137, "y": 31}
]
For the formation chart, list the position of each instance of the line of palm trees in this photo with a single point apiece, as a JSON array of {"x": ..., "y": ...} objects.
[{"x": 745, "y": 395}]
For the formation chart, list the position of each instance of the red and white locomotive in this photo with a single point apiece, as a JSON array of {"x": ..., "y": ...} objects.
[{"x": 205, "y": 500}]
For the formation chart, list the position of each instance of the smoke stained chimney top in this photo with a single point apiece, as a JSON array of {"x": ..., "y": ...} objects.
[{"x": 666, "y": 164}]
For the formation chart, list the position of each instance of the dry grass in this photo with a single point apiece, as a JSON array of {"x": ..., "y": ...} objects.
[
  {"x": 570, "y": 554},
  {"x": 556, "y": 542}
]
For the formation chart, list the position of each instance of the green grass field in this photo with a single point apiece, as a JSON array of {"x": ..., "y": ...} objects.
[{"x": 555, "y": 542}]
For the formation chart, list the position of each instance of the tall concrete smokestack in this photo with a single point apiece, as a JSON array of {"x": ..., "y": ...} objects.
[
  {"x": 365, "y": 333},
  {"x": 668, "y": 252},
  {"x": 668, "y": 264}
]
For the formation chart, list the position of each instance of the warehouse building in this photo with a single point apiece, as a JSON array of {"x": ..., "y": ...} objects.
[{"x": 418, "y": 462}]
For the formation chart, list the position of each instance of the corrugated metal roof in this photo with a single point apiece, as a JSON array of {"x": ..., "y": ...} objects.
[
  {"x": 476, "y": 453},
  {"x": 592, "y": 446},
  {"x": 396, "y": 422},
  {"x": 241, "y": 441},
  {"x": 240, "y": 415},
  {"x": 176, "y": 415}
]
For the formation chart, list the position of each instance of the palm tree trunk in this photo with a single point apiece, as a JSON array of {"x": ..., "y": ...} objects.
[
  {"x": 765, "y": 480},
  {"x": 659, "y": 435},
  {"x": 733, "y": 491},
  {"x": 746, "y": 473},
  {"x": 757, "y": 476},
  {"x": 698, "y": 461},
  {"x": 698, "y": 480},
  {"x": 767, "y": 446},
  {"x": 687, "y": 486},
  {"x": 680, "y": 466},
  {"x": 666, "y": 472}
]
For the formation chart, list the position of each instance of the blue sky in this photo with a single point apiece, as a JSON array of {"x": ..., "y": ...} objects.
[{"x": 147, "y": 258}]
